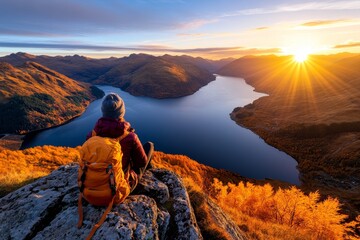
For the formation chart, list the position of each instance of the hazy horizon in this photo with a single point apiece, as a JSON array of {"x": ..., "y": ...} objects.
[{"x": 177, "y": 55}]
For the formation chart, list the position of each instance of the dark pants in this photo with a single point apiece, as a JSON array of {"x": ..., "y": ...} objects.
[{"x": 149, "y": 150}]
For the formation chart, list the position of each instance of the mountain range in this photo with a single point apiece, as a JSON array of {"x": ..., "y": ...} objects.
[
  {"x": 158, "y": 77},
  {"x": 139, "y": 74}
]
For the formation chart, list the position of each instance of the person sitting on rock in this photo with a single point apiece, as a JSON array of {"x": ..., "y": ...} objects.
[{"x": 136, "y": 157}]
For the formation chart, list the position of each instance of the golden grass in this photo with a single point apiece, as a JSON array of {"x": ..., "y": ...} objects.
[
  {"x": 20, "y": 167},
  {"x": 283, "y": 213},
  {"x": 251, "y": 206}
]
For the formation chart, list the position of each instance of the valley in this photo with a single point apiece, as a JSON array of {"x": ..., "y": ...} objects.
[{"x": 312, "y": 111}]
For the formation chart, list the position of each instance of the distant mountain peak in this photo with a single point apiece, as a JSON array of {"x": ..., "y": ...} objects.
[
  {"x": 138, "y": 55},
  {"x": 23, "y": 55}
]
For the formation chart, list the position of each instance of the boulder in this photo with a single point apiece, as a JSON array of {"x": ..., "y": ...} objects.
[{"x": 47, "y": 209}]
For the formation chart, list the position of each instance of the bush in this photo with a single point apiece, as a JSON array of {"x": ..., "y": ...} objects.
[{"x": 289, "y": 208}]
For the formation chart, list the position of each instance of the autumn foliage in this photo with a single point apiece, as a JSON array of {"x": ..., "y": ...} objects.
[
  {"x": 260, "y": 210},
  {"x": 295, "y": 214},
  {"x": 19, "y": 167}
]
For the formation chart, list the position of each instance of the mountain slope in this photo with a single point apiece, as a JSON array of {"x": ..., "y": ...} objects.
[
  {"x": 34, "y": 97},
  {"x": 76, "y": 67},
  {"x": 158, "y": 77},
  {"x": 312, "y": 113}
]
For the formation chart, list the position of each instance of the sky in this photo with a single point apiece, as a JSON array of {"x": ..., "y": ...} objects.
[{"x": 205, "y": 28}]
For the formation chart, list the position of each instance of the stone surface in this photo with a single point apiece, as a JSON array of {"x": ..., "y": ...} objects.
[
  {"x": 224, "y": 222},
  {"x": 47, "y": 209}
]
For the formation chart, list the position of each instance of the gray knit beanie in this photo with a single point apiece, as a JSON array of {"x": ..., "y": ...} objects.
[{"x": 113, "y": 106}]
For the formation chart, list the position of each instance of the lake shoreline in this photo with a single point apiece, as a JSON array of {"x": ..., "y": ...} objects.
[
  {"x": 196, "y": 112},
  {"x": 316, "y": 176},
  {"x": 34, "y": 132},
  {"x": 20, "y": 138}
]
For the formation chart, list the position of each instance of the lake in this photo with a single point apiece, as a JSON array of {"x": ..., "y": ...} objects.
[{"x": 198, "y": 126}]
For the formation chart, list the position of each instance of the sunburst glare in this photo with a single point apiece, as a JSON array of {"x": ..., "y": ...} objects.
[
  {"x": 300, "y": 56},
  {"x": 300, "y": 53}
]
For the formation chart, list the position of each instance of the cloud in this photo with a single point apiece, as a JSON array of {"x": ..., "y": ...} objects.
[
  {"x": 191, "y": 34},
  {"x": 26, "y": 33},
  {"x": 69, "y": 17},
  {"x": 196, "y": 23},
  {"x": 261, "y": 28},
  {"x": 235, "y": 52},
  {"x": 149, "y": 48},
  {"x": 215, "y": 51},
  {"x": 71, "y": 46},
  {"x": 327, "y": 5},
  {"x": 348, "y": 45},
  {"x": 321, "y": 23},
  {"x": 329, "y": 23}
]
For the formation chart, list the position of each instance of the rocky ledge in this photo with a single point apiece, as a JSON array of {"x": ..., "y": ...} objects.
[{"x": 47, "y": 209}]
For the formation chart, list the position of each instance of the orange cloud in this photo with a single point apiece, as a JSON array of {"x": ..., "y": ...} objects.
[
  {"x": 352, "y": 44},
  {"x": 261, "y": 28},
  {"x": 322, "y": 22},
  {"x": 329, "y": 23},
  {"x": 234, "y": 52}
]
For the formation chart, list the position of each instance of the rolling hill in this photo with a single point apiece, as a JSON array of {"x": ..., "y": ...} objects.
[
  {"x": 158, "y": 77},
  {"x": 34, "y": 97}
]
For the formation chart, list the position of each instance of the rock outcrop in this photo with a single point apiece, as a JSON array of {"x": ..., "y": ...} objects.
[{"x": 47, "y": 209}]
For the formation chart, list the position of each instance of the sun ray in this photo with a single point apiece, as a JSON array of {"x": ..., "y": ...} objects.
[{"x": 300, "y": 57}]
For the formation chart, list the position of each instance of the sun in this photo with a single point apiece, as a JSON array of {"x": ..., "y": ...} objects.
[
  {"x": 300, "y": 53},
  {"x": 300, "y": 56}
]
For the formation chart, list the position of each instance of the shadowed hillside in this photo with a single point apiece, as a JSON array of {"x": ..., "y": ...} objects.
[
  {"x": 312, "y": 113},
  {"x": 34, "y": 97},
  {"x": 158, "y": 77}
]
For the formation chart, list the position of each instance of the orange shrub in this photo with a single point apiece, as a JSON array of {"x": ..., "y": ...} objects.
[{"x": 304, "y": 215}]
